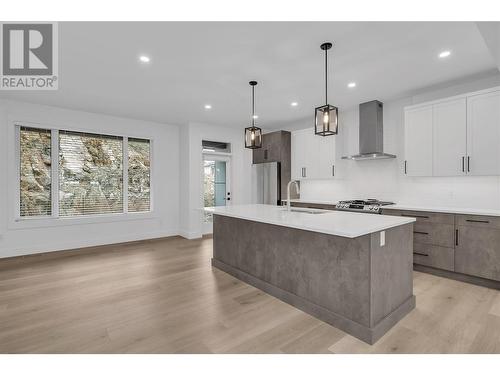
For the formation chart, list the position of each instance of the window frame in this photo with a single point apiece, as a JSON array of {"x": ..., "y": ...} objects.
[{"x": 24, "y": 222}]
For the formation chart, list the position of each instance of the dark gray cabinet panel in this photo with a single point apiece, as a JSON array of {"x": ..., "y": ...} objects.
[
  {"x": 434, "y": 256},
  {"x": 477, "y": 251},
  {"x": 478, "y": 221},
  {"x": 434, "y": 234},
  {"x": 423, "y": 216},
  {"x": 272, "y": 148}
]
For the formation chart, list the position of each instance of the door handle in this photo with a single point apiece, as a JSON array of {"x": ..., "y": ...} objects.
[
  {"x": 468, "y": 163},
  {"x": 478, "y": 221},
  {"x": 463, "y": 163},
  {"x": 333, "y": 170},
  {"x": 405, "y": 166},
  {"x": 456, "y": 237}
]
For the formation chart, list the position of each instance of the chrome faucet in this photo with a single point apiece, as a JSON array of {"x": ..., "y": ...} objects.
[{"x": 297, "y": 188}]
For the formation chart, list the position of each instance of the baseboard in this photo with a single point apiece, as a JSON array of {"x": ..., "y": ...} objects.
[
  {"x": 492, "y": 284},
  {"x": 366, "y": 334},
  {"x": 91, "y": 242}
]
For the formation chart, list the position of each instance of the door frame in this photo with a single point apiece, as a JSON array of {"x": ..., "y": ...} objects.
[{"x": 207, "y": 228}]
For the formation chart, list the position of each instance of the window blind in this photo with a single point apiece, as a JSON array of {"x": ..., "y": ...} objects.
[
  {"x": 35, "y": 172},
  {"x": 139, "y": 175},
  {"x": 90, "y": 174}
]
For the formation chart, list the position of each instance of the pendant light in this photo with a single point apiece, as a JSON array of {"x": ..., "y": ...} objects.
[
  {"x": 326, "y": 116},
  {"x": 253, "y": 134}
]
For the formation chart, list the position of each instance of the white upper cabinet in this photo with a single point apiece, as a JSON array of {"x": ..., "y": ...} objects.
[
  {"x": 313, "y": 156},
  {"x": 449, "y": 138},
  {"x": 454, "y": 137},
  {"x": 418, "y": 141},
  {"x": 483, "y": 134}
]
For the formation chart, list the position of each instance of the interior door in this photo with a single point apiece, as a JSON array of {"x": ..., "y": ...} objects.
[
  {"x": 483, "y": 134},
  {"x": 449, "y": 140},
  {"x": 216, "y": 185},
  {"x": 418, "y": 141}
]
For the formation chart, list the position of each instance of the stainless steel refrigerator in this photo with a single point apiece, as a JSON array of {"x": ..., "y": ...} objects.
[{"x": 267, "y": 183}]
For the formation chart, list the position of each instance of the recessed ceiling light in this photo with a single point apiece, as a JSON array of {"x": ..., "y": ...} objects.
[
  {"x": 351, "y": 84},
  {"x": 208, "y": 106},
  {"x": 144, "y": 58},
  {"x": 444, "y": 54},
  {"x": 255, "y": 116},
  {"x": 294, "y": 104}
]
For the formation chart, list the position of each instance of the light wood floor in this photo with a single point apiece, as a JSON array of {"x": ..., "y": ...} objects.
[{"x": 163, "y": 296}]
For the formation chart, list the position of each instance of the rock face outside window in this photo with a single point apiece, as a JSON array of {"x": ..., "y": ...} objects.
[{"x": 35, "y": 172}]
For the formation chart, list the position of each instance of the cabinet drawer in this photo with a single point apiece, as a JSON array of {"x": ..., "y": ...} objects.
[
  {"x": 478, "y": 252},
  {"x": 423, "y": 216},
  {"x": 478, "y": 221},
  {"x": 434, "y": 256},
  {"x": 434, "y": 234}
]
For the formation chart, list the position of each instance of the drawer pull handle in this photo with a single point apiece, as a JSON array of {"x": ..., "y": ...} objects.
[
  {"x": 422, "y": 254},
  {"x": 426, "y": 233},
  {"x": 419, "y": 216},
  {"x": 478, "y": 221},
  {"x": 456, "y": 237}
]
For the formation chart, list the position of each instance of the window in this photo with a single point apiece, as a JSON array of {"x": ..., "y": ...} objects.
[
  {"x": 36, "y": 172},
  {"x": 139, "y": 171},
  {"x": 90, "y": 175}
]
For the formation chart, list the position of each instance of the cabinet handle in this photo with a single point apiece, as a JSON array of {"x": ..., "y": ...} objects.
[
  {"x": 422, "y": 254},
  {"x": 419, "y": 216},
  {"x": 478, "y": 221},
  {"x": 302, "y": 172},
  {"x": 456, "y": 237},
  {"x": 420, "y": 232},
  {"x": 463, "y": 163},
  {"x": 305, "y": 171},
  {"x": 405, "y": 166},
  {"x": 333, "y": 170},
  {"x": 265, "y": 154},
  {"x": 468, "y": 163}
]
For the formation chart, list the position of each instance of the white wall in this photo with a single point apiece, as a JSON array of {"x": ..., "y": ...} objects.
[
  {"x": 19, "y": 238},
  {"x": 384, "y": 179},
  {"x": 191, "y": 172}
]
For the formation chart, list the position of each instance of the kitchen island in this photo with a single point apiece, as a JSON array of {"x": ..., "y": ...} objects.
[{"x": 351, "y": 270}]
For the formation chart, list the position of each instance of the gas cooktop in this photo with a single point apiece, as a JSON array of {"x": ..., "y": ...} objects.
[{"x": 362, "y": 205}]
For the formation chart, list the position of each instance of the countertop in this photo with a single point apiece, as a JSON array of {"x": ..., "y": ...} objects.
[
  {"x": 415, "y": 207},
  {"x": 336, "y": 223}
]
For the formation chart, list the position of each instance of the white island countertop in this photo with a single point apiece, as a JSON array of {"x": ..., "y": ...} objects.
[{"x": 336, "y": 223}]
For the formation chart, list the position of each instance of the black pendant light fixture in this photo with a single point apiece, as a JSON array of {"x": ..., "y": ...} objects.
[
  {"x": 326, "y": 116},
  {"x": 253, "y": 134}
]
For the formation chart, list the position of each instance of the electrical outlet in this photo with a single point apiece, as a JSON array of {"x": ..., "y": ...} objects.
[{"x": 382, "y": 238}]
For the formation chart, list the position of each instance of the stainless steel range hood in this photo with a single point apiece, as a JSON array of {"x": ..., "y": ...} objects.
[{"x": 371, "y": 133}]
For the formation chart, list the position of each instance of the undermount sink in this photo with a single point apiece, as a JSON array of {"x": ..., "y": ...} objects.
[{"x": 311, "y": 211}]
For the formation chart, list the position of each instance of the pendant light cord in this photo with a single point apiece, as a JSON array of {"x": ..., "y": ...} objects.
[
  {"x": 326, "y": 76},
  {"x": 253, "y": 105}
]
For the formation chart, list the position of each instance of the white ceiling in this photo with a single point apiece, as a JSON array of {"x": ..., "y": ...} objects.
[{"x": 193, "y": 64}]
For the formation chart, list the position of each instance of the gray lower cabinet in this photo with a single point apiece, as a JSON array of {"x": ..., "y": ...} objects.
[
  {"x": 434, "y": 256},
  {"x": 433, "y": 238},
  {"x": 477, "y": 251}
]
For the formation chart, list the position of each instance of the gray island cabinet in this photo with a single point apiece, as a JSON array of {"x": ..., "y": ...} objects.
[{"x": 353, "y": 271}]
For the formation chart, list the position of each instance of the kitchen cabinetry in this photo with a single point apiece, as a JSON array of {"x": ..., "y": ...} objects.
[
  {"x": 483, "y": 134},
  {"x": 418, "y": 142},
  {"x": 454, "y": 137},
  {"x": 433, "y": 238},
  {"x": 449, "y": 131},
  {"x": 313, "y": 156},
  {"x": 477, "y": 250},
  {"x": 464, "y": 247},
  {"x": 271, "y": 148}
]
